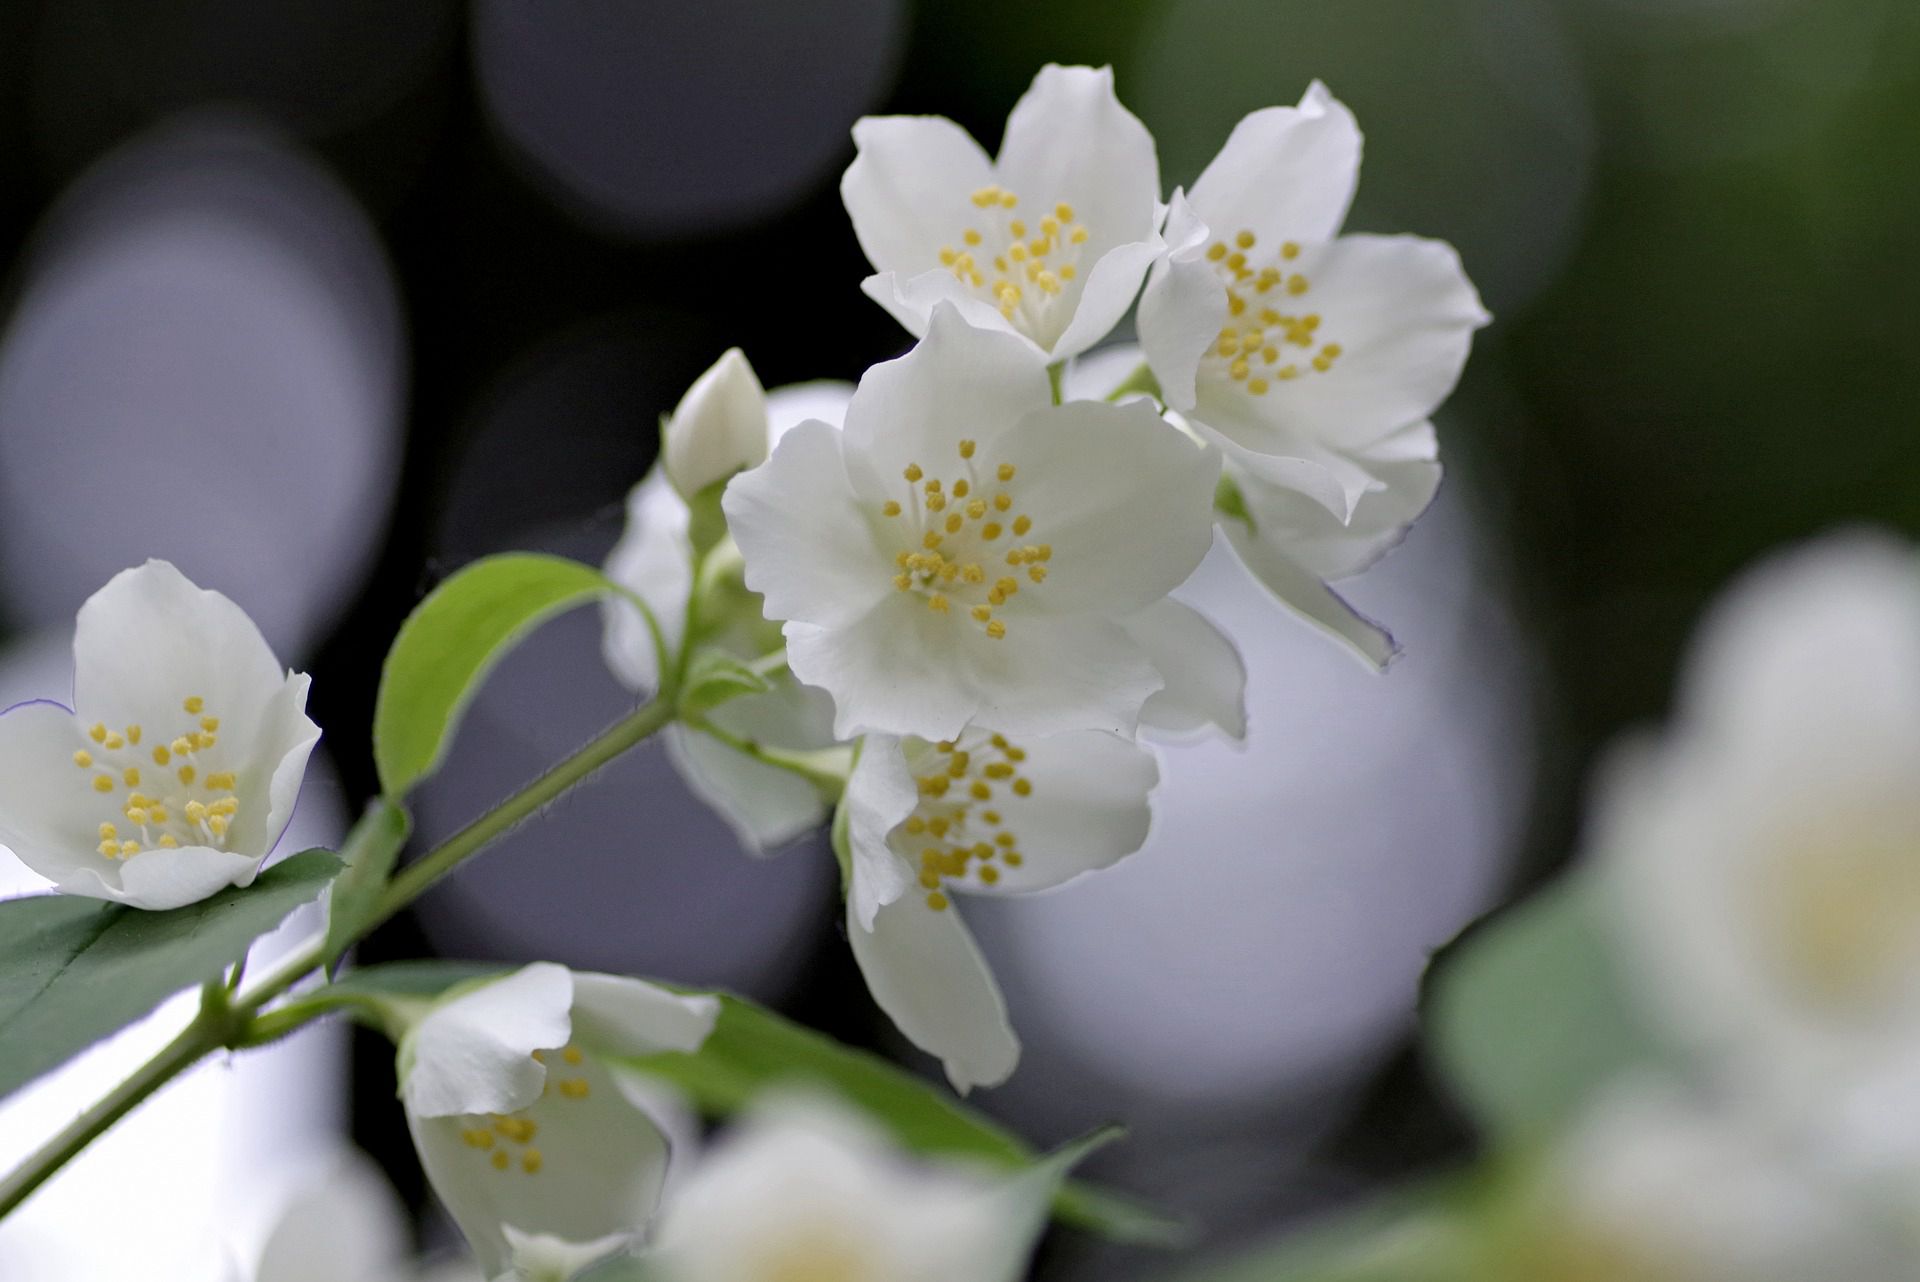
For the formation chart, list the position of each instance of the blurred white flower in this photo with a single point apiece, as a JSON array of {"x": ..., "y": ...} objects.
[
  {"x": 1652, "y": 1187},
  {"x": 1762, "y": 860},
  {"x": 346, "y": 1225},
  {"x": 1274, "y": 334},
  {"x": 984, "y": 815},
  {"x": 519, "y": 1119},
  {"x": 718, "y": 428},
  {"x": 178, "y": 766},
  {"x": 804, "y": 1189},
  {"x": 1050, "y": 241},
  {"x": 966, "y": 550}
]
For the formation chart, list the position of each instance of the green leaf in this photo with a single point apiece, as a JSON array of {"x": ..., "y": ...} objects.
[
  {"x": 448, "y": 645},
  {"x": 714, "y": 677},
  {"x": 1424, "y": 1234},
  {"x": 752, "y": 1050},
  {"x": 74, "y": 970},
  {"x": 1526, "y": 1015},
  {"x": 369, "y": 852}
]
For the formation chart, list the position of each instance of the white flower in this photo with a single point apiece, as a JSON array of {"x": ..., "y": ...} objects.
[
  {"x": 178, "y": 766},
  {"x": 1295, "y": 547},
  {"x": 1273, "y": 333},
  {"x": 718, "y": 428},
  {"x": 1651, "y": 1186},
  {"x": 765, "y": 805},
  {"x": 965, "y": 550},
  {"x": 1763, "y": 861},
  {"x": 542, "y": 1257},
  {"x": 1050, "y": 241},
  {"x": 345, "y": 1226},
  {"x": 979, "y": 814},
  {"x": 803, "y": 1190},
  {"x": 521, "y": 1122}
]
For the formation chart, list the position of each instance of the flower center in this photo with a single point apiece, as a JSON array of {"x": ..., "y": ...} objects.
[
  {"x": 1845, "y": 908},
  {"x": 1021, "y": 268},
  {"x": 958, "y": 828},
  {"x": 1270, "y": 337},
  {"x": 505, "y": 1140},
  {"x": 175, "y": 794},
  {"x": 953, "y": 552},
  {"x": 815, "y": 1255}
]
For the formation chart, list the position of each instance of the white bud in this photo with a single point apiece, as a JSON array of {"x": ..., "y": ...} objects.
[{"x": 718, "y": 428}]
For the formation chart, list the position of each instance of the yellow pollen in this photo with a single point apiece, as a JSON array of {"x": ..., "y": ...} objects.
[
  {"x": 186, "y": 774},
  {"x": 1063, "y": 211},
  {"x": 989, "y": 875},
  {"x": 217, "y": 825},
  {"x": 477, "y": 1138},
  {"x": 1290, "y": 250},
  {"x": 167, "y": 842},
  {"x": 136, "y": 815},
  {"x": 162, "y": 755},
  {"x": 115, "y": 743},
  {"x": 1021, "y": 525},
  {"x": 913, "y": 472},
  {"x": 108, "y": 831},
  {"x": 1258, "y": 386},
  {"x": 1236, "y": 261},
  {"x": 129, "y": 848},
  {"x": 990, "y": 531},
  {"x": 930, "y": 540},
  {"x": 220, "y": 780},
  {"x": 996, "y": 629},
  {"x": 998, "y": 770},
  {"x": 181, "y": 746},
  {"x": 576, "y": 1088},
  {"x": 83, "y": 758},
  {"x": 1067, "y": 271},
  {"x": 103, "y": 783},
  {"x": 1022, "y": 788},
  {"x": 99, "y": 732},
  {"x": 1001, "y": 502},
  {"x": 890, "y": 508},
  {"x": 1297, "y": 285},
  {"x": 132, "y": 775},
  {"x": 916, "y": 825},
  {"x": 976, "y": 508},
  {"x": 194, "y": 704},
  {"x": 1079, "y": 236},
  {"x": 1216, "y": 251},
  {"x": 954, "y": 522},
  {"x": 981, "y": 613},
  {"x": 1017, "y": 228},
  {"x": 1016, "y": 754},
  {"x": 971, "y": 236},
  {"x": 1038, "y": 573},
  {"x": 937, "y": 603},
  {"x": 937, "y": 901},
  {"x": 1006, "y": 585},
  {"x": 966, "y": 449},
  {"x": 972, "y": 573},
  {"x": 196, "y": 811},
  {"x": 500, "y": 1160},
  {"x": 903, "y": 581},
  {"x": 1244, "y": 240},
  {"x": 1004, "y": 472},
  {"x": 960, "y": 488},
  {"x": 133, "y": 735},
  {"x": 936, "y": 501},
  {"x": 531, "y": 1161},
  {"x": 1014, "y": 859}
]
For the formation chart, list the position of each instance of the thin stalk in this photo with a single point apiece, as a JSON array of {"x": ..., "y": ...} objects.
[{"x": 208, "y": 1031}]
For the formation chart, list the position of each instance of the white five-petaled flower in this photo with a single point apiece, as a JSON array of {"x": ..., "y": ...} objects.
[
  {"x": 1303, "y": 348},
  {"x": 765, "y": 805},
  {"x": 1050, "y": 241},
  {"x": 979, "y": 814},
  {"x": 805, "y": 1190},
  {"x": 718, "y": 428},
  {"x": 1762, "y": 861},
  {"x": 177, "y": 768},
  {"x": 965, "y": 550},
  {"x": 522, "y": 1123}
]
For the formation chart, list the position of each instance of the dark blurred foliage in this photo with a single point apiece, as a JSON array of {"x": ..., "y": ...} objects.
[{"x": 1694, "y": 219}]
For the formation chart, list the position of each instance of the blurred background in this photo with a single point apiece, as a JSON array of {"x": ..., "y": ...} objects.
[{"x": 323, "y": 299}]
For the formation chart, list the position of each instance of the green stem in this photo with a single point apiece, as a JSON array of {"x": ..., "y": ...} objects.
[
  {"x": 416, "y": 877},
  {"x": 208, "y": 1031},
  {"x": 825, "y": 768},
  {"x": 1140, "y": 380},
  {"x": 1056, "y": 375}
]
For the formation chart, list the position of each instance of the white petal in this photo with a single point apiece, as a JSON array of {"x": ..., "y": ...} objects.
[
  {"x": 615, "y": 1015},
  {"x": 880, "y": 795},
  {"x": 809, "y": 550},
  {"x": 895, "y": 671},
  {"x": 1106, "y": 293},
  {"x": 1286, "y": 173},
  {"x": 1184, "y": 306},
  {"x": 150, "y": 639},
  {"x": 1069, "y": 139},
  {"x": 602, "y": 1162},
  {"x": 959, "y": 383},
  {"x": 1124, "y": 499},
  {"x": 1053, "y": 674},
  {"x": 654, "y": 561},
  {"x": 1403, "y": 314},
  {"x": 909, "y": 187},
  {"x": 474, "y": 1052},
  {"x": 1088, "y": 809},
  {"x": 1408, "y": 475},
  {"x": 718, "y": 428},
  {"x": 927, "y": 974},
  {"x": 789, "y": 406},
  {"x": 1206, "y": 680},
  {"x": 159, "y": 880},
  {"x": 912, "y": 300},
  {"x": 766, "y": 806},
  {"x": 49, "y": 813},
  {"x": 1301, "y": 591},
  {"x": 276, "y": 766}
]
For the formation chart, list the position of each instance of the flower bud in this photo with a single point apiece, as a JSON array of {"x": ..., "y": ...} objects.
[{"x": 718, "y": 428}]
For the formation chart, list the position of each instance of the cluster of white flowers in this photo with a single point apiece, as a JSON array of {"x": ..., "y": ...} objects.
[{"x": 973, "y": 575}]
